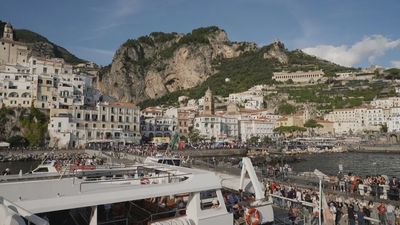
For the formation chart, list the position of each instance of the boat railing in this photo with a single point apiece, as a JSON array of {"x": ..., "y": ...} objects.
[
  {"x": 169, "y": 176},
  {"x": 29, "y": 216},
  {"x": 283, "y": 203},
  {"x": 161, "y": 216},
  {"x": 115, "y": 222}
]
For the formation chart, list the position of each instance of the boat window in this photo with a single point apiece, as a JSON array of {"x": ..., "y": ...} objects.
[
  {"x": 173, "y": 162},
  {"x": 41, "y": 170},
  {"x": 209, "y": 199}
]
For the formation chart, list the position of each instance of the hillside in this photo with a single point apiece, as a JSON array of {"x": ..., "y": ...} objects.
[
  {"x": 41, "y": 46},
  {"x": 249, "y": 69},
  {"x": 160, "y": 63}
]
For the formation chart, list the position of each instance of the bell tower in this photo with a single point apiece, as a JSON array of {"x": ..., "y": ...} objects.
[
  {"x": 8, "y": 32},
  {"x": 208, "y": 103}
]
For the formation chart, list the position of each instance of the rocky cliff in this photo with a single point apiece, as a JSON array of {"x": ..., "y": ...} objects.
[{"x": 160, "y": 63}]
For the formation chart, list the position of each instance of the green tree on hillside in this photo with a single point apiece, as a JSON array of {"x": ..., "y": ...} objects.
[
  {"x": 34, "y": 127},
  {"x": 286, "y": 109},
  {"x": 292, "y": 130},
  {"x": 311, "y": 124}
]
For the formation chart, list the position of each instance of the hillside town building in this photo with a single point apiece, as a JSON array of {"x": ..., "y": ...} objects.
[
  {"x": 108, "y": 124},
  {"x": 298, "y": 76},
  {"x": 12, "y": 52},
  {"x": 255, "y": 128}
]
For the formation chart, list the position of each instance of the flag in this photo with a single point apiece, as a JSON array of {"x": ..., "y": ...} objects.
[{"x": 326, "y": 212}]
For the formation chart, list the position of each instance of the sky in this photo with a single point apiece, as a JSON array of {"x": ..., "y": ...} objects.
[{"x": 355, "y": 33}]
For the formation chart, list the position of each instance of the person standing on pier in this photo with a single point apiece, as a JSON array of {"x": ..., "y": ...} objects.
[
  {"x": 350, "y": 214},
  {"x": 382, "y": 214},
  {"x": 361, "y": 216}
]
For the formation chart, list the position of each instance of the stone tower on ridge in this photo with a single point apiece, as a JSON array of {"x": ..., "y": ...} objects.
[
  {"x": 8, "y": 32},
  {"x": 208, "y": 103}
]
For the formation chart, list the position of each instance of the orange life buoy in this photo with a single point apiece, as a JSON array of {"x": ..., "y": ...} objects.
[
  {"x": 252, "y": 216},
  {"x": 144, "y": 181}
]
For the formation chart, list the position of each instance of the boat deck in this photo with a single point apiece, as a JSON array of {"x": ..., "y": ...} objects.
[{"x": 59, "y": 194}]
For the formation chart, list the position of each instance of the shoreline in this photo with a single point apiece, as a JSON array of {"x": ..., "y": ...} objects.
[{"x": 394, "y": 149}]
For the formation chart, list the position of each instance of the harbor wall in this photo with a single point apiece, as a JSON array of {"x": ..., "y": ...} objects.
[{"x": 376, "y": 149}]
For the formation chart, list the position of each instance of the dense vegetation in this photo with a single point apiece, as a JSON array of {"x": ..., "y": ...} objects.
[
  {"x": 23, "y": 127},
  {"x": 286, "y": 109},
  {"x": 337, "y": 96},
  {"x": 197, "y": 36},
  {"x": 31, "y": 37},
  {"x": 34, "y": 127}
]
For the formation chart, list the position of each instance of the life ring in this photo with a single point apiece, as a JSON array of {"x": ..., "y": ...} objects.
[
  {"x": 144, "y": 181},
  {"x": 252, "y": 216}
]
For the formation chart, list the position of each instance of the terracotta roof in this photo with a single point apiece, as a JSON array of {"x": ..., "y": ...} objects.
[
  {"x": 242, "y": 110},
  {"x": 283, "y": 119},
  {"x": 256, "y": 120}
]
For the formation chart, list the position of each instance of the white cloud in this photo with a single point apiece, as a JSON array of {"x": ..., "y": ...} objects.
[
  {"x": 370, "y": 48},
  {"x": 395, "y": 63},
  {"x": 119, "y": 8}
]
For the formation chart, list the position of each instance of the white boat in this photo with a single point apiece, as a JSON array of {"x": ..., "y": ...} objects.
[
  {"x": 46, "y": 167},
  {"x": 145, "y": 188},
  {"x": 163, "y": 159}
]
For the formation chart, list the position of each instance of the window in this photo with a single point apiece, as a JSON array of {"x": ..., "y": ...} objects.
[
  {"x": 120, "y": 119},
  {"x": 44, "y": 70},
  {"x": 59, "y": 124},
  {"x": 112, "y": 118},
  {"x": 78, "y": 115},
  {"x": 34, "y": 62},
  {"x": 56, "y": 71},
  {"x": 103, "y": 118},
  {"x": 41, "y": 170}
]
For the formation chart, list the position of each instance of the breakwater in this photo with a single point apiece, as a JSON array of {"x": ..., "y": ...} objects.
[{"x": 395, "y": 149}]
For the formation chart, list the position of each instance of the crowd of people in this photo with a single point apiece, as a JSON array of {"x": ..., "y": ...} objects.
[
  {"x": 338, "y": 210},
  {"x": 379, "y": 186}
]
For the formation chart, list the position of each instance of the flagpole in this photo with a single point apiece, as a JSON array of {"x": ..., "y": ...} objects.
[{"x": 320, "y": 203}]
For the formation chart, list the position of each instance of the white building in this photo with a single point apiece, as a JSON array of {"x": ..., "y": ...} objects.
[
  {"x": 298, "y": 76},
  {"x": 358, "y": 120},
  {"x": 108, "y": 123},
  {"x": 12, "y": 52},
  {"x": 249, "y": 99},
  {"x": 16, "y": 89},
  {"x": 158, "y": 127},
  {"x": 348, "y": 121},
  {"x": 156, "y": 122},
  {"x": 346, "y": 75},
  {"x": 376, "y": 117},
  {"x": 386, "y": 103},
  {"x": 393, "y": 122},
  {"x": 255, "y": 128},
  {"x": 218, "y": 127},
  {"x": 52, "y": 66}
]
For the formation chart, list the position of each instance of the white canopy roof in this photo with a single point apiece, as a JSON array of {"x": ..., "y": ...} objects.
[{"x": 53, "y": 195}]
